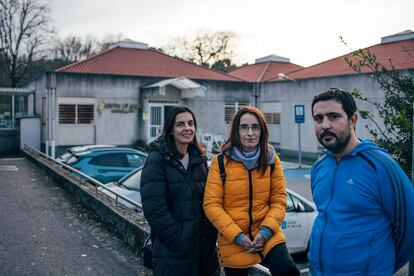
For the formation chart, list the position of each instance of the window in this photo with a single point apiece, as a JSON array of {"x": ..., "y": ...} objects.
[
  {"x": 21, "y": 106},
  {"x": 76, "y": 113},
  {"x": 67, "y": 114},
  {"x": 272, "y": 111},
  {"x": 136, "y": 160},
  {"x": 133, "y": 182},
  {"x": 289, "y": 203},
  {"x": 6, "y": 116},
  {"x": 110, "y": 160},
  {"x": 230, "y": 109},
  {"x": 13, "y": 107},
  {"x": 85, "y": 114}
]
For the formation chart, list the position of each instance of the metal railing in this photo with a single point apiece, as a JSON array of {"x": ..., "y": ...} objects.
[
  {"x": 86, "y": 179},
  {"x": 261, "y": 269}
]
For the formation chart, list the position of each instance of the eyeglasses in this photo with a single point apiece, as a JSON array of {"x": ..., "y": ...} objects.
[{"x": 256, "y": 128}]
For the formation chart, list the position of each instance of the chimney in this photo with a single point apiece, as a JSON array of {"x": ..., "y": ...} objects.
[
  {"x": 128, "y": 43},
  {"x": 273, "y": 58}
]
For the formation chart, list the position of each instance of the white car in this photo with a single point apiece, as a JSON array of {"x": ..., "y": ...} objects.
[
  {"x": 297, "y": 226},
  {"x": 299, "y": 219},
  {"x": 128, "y": 186}
]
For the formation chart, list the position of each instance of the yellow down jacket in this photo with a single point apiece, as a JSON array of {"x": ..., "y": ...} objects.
[{"x": 247, "y": 201}]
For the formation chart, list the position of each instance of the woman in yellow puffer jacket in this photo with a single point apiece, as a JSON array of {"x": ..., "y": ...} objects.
[{"x": 249, "y": 207}]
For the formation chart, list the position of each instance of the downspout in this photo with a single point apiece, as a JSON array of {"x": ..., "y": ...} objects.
[{"x": 51, "y": 102}]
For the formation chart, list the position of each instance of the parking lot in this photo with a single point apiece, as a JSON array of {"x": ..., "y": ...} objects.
[{"x": 44, "y": 232}]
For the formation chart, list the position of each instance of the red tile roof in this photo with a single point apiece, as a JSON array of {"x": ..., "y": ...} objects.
[
  {"x": 264, "y": 71},
  {"x": 384, "y": 53},
  {"x": 142, "y": 62}
]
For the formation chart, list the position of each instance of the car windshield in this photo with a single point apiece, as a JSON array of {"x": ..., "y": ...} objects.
[{"x": 133, "y": 181}]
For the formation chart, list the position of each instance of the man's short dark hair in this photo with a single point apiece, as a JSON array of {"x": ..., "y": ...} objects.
[{"x": 341, "y": 96}]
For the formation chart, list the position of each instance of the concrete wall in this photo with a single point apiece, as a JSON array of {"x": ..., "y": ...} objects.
[
  {"x": 124, "y": 128},
  {"x": 30, "y": 132},
  {"x": 110, "y": 126},
  {"x": 209, "y": 111},
  {"x": 129, "y": 225}
]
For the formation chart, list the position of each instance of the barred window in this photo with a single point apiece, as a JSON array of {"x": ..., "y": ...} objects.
[
  {"x": 85, "y": 114},
  {"x": 272, "y": 112},
  {"x": 67, "y": 114},
  {"x": 76, "y": 114},
  {"x": 272, "y": 118},
  {"x": 230, "y": 109}
]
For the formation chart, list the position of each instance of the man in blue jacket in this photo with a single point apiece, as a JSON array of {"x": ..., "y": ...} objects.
[{"x": 365, "y": 224}]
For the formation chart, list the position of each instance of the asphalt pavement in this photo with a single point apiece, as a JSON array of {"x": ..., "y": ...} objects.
[{"x": 44, "y": 232}]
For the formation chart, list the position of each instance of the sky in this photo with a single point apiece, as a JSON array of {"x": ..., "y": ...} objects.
[{"x": 306, "y": 31}]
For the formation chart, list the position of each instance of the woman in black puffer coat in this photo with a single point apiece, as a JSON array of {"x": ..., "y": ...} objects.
[{"x": 172, "y": 189}]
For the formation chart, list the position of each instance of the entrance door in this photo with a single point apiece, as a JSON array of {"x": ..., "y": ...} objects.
[{"x": 158, "y": 115}]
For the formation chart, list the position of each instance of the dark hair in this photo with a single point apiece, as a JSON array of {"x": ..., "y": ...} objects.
[
  {"x": 234, "y": 137},
  {"x": 341, "y": 96},
  {"x": 169, "y": 126}
]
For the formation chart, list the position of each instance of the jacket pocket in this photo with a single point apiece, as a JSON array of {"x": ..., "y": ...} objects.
[{"x": 351, "y": 254}]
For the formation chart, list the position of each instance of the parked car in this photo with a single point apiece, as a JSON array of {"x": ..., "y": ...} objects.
[
  {"x": 105, "y": 164},
  {"x": 297, "y": 226},
  {"x": 298, "y": 223},
  {"x": 78, "y": 149},
  {"x": 128, "y": 186}
]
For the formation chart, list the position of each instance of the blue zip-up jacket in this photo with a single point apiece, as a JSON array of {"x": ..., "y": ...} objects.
[{"x": 365, "y": 224}]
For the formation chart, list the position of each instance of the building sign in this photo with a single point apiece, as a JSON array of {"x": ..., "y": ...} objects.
[
  {"x": 299, "y": 113},
  {"x": 118, "y": 107}
]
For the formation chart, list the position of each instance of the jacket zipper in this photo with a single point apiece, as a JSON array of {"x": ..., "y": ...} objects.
[
  {"x": 250, "y": 204},
  {"x": 326, "y": 214}
]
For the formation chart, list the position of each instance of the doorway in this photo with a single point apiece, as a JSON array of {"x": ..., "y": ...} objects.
[{"x": 158, "y": 115}]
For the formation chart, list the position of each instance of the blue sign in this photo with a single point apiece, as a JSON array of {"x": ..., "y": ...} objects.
[{"x": 299, "y": 113}]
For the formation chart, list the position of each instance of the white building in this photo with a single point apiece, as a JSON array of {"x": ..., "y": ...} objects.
[{"x": 123, "y": 94}]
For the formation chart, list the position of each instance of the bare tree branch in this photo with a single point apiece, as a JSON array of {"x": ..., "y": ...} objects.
[
  {"x": 205, "y": 48},
  {"x": 24, "y": 30}
]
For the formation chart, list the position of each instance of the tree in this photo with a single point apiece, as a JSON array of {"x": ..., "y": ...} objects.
[
  {"x": 396, "y": 111},
  {"x": 224, "y": 65},
  {"x": 24, "y": 31},
  {"x": 205, "y": 49},
  {"x": 73, "y": 48}
]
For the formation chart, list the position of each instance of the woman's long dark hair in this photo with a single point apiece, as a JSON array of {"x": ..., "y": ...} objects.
[
  {"x": 234, "y": 137},
  {"x": 169, "y": 126}
]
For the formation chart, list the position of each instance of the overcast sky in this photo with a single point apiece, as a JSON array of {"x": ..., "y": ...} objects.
[{"x": 306, "y": 31}]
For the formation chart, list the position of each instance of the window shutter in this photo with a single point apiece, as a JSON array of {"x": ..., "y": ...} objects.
[
  {"x": 85, "y": 114},
  {"x": 67, "y": 114}
]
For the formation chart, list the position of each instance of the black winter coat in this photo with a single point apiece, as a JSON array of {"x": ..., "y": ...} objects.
[{"x": 172, "y": 199}]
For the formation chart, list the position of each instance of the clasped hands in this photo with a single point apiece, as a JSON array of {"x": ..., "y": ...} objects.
[{"x": 253, "y": 246}]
